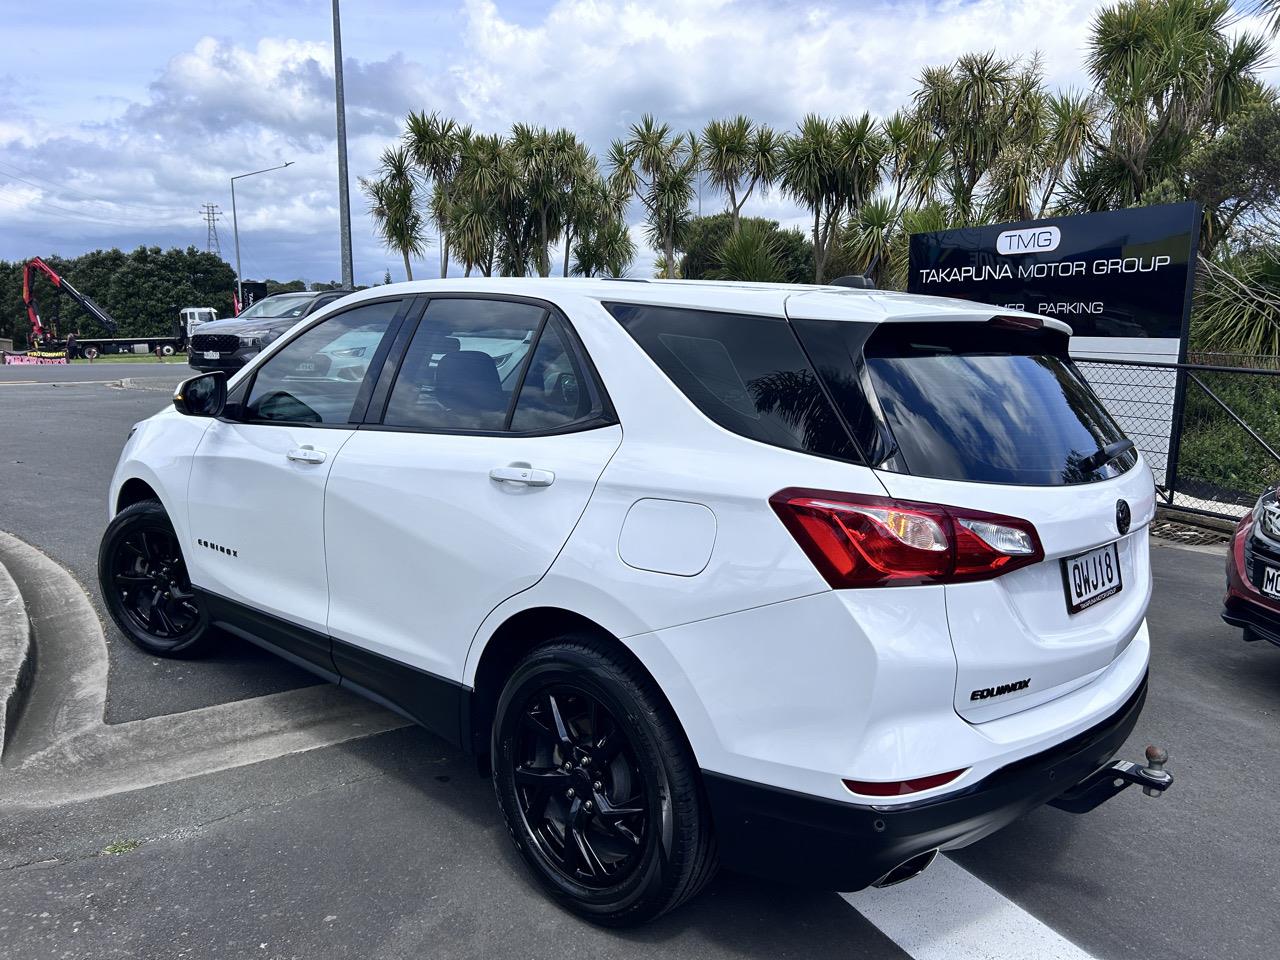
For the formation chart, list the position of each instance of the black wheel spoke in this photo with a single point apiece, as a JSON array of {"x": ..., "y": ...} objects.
[
  {"x": 151, "y": 584},
  {"x": 589, "y": 860},
  {"x": 547, "y": 778},
  {"x": 607, "y": 747},
  {"x": 572, "y": 756},
  {"x": 166, "y": 621},
  {"x": 613, "y": 823},
  {"x": 562, "y": 732}
]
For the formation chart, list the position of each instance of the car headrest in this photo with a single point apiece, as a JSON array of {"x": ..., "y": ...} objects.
[{"x": 469, "y": 378}]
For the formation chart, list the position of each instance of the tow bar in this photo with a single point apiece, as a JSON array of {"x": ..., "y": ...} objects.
[{"x": 1101, "y": 785}]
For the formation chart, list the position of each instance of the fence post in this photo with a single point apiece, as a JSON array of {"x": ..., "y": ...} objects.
[{"x": 1175, "y": 432}]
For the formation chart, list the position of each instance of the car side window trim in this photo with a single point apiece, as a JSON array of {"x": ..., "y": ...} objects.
[
  {"x": 376, "y": 412},
  {"x": 244, "y": 390},
  {"x": 383, "y": 369},
  {"x": 524, "y": 370}
]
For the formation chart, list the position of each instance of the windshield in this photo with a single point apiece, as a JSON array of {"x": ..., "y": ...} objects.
[
  {"x": 280, "y": 305},
  {"x": 991, "y": 405}
]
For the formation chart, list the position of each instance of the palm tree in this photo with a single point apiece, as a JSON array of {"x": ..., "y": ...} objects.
[
  {"x": 435, "y": 144},
  {"x": 393, "y": 203},
  {"x": 659, "y": 168},
  {"x": 595, "y": 229},
  {"x": 750, "y": 253},
  {"x": 832, "y": 168},
  {"x": 1271, "y": 10},
  {"x": 1168, "y": 74},
  {"x": 607, "y": 249},
  {"x": 977, "y": 108},
  {"x": 738, "y": 155}
]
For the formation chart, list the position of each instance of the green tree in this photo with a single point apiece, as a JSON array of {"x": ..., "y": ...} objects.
[
  {"x": 435, "y": 144},
  {"x": 738, "y": 155},
  {"x": 750, "y": 252},
  {"x": 1169, "y": 74},
  {"x": 832, "y": 168},
  {"x": 394, "y": 205},
  {"x": 659, "y": 168},
  {"x": 977, "y": 109},
  {"x": 597, "y": 229},
  {"x": 705, "y": 238}
]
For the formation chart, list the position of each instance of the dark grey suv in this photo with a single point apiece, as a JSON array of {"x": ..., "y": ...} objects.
[{"x": 230, "y": 344}]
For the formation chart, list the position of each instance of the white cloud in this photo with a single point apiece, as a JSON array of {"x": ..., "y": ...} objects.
[{"x": 221, "y": 107}]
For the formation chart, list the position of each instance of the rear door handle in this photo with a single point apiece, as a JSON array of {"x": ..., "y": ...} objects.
[
  {"x": 307, "y": 454},
  {"x": 522, "y": 473}
]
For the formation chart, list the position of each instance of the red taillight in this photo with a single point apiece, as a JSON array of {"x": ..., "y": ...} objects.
[
  {"x": 865, "y": 541},
  {"x": 898, "y": 788}
]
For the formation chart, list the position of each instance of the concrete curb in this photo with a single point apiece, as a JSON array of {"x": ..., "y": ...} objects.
[
  {"x": 69, "y": 696},
  {"x": 63, "y": 752},
  {"x": 16, "y": 654}
]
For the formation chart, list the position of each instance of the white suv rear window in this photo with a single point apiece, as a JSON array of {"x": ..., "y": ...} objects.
[{"x": 975, "y": 402}]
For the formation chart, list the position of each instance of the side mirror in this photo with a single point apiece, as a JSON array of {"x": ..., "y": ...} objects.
[{"x": 202, "y": 396}]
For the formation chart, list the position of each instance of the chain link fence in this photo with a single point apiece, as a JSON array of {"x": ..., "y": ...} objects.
[{"x": 1209, "y": 430}]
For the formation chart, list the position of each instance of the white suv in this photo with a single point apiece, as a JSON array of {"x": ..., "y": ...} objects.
[{"x": 807, "y": 581}]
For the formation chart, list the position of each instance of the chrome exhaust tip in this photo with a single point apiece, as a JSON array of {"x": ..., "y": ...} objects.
[{"x": 907, "y": 869}]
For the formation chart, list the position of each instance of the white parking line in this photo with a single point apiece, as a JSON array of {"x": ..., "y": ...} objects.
[{"x": 947, "y": 913}]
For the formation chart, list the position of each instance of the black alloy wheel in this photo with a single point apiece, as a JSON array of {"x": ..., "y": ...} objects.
[
  {"x": 582, "y": 795},
  {"x": 598, "y": 785},
  {"x": 145, "y": 585}
]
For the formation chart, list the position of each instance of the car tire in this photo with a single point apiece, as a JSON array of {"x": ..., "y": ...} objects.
[
  {"x": 145, "y": 586},
  {"x": 89, "y": 353},
  {"x": 619, "y": 837},
  {"x": 167, "y": 350}
]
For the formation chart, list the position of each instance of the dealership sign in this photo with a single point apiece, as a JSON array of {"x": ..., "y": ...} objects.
[
  {"x": 1123, "y": 274},
  {"x": 1121, "y": 280}
]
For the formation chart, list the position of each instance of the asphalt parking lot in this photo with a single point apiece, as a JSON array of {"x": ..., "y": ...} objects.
[
  {"x": 389, "y": 845},
  {"x": 63, "y": 427}
]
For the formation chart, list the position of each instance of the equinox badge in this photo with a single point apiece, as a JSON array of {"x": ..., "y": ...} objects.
[{"x": 986, "y": 693}]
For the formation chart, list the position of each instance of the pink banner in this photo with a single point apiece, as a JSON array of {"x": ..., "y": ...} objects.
[{"x": 11, "y": 358}]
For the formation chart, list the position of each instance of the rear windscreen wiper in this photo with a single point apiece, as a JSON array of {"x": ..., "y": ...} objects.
[{"x": 1105, "y": 455}]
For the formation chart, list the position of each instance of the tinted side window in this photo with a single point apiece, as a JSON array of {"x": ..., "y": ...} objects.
[
  {"x": 557, "y": 390},
  {"x": 463, "y": 365},
  {"x": 746, "y": 373},
  {"x": 316, "y": 377}
]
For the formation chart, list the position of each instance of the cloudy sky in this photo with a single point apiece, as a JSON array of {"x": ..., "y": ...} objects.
[{"x": 119, "y": 120}]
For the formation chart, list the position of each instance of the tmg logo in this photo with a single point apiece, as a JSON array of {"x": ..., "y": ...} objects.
[{"x": 1029, "y": 240}]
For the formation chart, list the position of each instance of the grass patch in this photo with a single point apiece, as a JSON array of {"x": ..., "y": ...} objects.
[
  {"x": 133, "y": 358},
  {"x": 122, "y": 846},
  {"x": 1217, "y": 451}
]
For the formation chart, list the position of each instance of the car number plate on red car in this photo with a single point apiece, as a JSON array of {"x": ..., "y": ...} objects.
[{"x": 1271, "y": 582}]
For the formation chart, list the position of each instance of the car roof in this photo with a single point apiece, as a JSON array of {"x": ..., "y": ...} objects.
[{"x": 794, "y": 300}]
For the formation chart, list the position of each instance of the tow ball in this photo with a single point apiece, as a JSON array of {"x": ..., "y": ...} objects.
[{"x": 1101, "y": 785}]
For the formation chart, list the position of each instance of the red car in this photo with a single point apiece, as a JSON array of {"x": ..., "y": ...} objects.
[{"x": 1253, "y": 572}]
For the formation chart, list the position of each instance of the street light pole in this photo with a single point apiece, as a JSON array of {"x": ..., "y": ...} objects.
[
  {"x": 344, "y": 193},
  {"x": 235, "y": 223}
]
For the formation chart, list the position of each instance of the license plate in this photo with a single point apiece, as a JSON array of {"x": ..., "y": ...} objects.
[
  {"x": 212, "y": 355},
  {"x": 1271, "y": 582},
  {"x": 1091, "y": 577}
]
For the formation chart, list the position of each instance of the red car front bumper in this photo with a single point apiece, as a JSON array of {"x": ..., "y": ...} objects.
[{"x": 1245, "y": 605}]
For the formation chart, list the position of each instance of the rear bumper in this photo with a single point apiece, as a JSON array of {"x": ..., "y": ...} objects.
[{"x": 832, "y": 845}]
